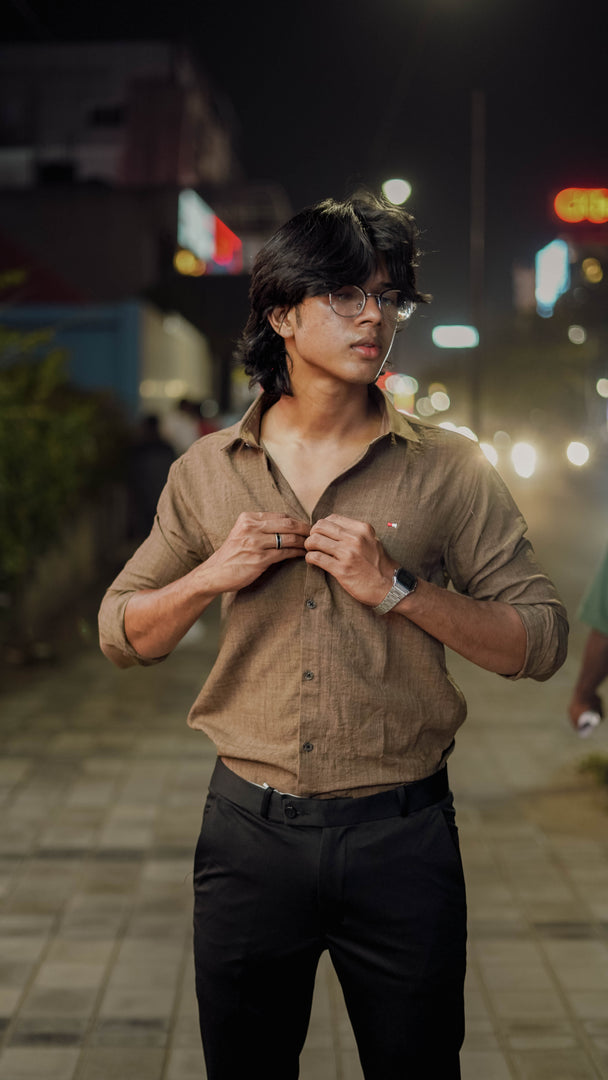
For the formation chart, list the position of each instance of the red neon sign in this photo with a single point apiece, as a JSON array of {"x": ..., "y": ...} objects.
[{"x": 582, "y": 204}]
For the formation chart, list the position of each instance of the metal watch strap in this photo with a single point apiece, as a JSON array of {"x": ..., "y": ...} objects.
[{"x": 393, "y": 596}]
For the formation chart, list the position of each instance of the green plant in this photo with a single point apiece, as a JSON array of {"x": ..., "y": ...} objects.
[{"x": 57, "y": 444}]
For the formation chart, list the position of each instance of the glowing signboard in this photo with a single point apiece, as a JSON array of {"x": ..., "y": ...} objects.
[
  {"x": 552, "y": 276},
  {"x": 195, "y": 225},
  {"x": 582, "y": 204},
  {"x": 206, "y": 244}
]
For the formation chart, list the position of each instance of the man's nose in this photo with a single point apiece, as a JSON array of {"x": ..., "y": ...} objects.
[{"x": 371, "y": 310}]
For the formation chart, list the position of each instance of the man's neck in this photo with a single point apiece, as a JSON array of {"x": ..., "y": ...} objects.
[{"x": 348, "y": 414}]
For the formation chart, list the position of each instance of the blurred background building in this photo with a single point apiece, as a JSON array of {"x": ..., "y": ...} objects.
[{"x": 127, "y": 227}]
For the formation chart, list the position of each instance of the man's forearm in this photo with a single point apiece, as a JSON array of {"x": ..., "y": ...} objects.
[
  {"x": 156, "y": 620},
  {"x": 594, "y": 666},
  {"x": 487, "y": 632}
]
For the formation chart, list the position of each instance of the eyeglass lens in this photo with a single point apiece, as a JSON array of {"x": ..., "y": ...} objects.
[{"x": 349, "y": 300}]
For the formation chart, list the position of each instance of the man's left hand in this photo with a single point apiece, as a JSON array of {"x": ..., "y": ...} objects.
[{"x": 350, "y": 551}]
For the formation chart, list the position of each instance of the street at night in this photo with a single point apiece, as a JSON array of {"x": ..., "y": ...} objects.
[{"x": 209, "y": 214}]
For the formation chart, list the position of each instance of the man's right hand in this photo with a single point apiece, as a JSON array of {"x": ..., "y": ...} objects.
[
  {"x": 157, "y": 619},
  {"x": 251, "y": 547}
]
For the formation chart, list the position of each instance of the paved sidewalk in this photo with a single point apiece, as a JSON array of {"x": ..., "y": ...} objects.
[
  {"x": 101, "y": 792},
  {"x": 102, "y": 785}
]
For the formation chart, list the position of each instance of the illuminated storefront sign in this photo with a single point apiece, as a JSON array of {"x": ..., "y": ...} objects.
[
  {"x": 582, "y": 204},
  {"x": 552, "y": 276},
  {"x": 205, "y": 244}
]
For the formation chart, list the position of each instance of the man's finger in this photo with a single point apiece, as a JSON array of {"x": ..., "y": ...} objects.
[
  {"x": 281, "y": 540},
  {"x": 282, "y": 524},
  {"x": 322, "y": 542}
]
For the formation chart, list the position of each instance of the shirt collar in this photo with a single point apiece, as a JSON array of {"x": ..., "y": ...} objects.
[{"x": 247, "y": 431}]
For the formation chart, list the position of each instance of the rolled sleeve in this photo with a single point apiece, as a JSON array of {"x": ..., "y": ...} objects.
[
  {"x": 546, "y": 629},
  {"x": 490, "y": 558},
  {"x": 175, "y": 546}
]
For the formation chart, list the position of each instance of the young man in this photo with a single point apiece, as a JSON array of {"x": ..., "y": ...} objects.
[{"x": 331, "y": 525}]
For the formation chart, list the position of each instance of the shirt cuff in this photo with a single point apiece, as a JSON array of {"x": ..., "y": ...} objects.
[{"x": 546, "y": 629}]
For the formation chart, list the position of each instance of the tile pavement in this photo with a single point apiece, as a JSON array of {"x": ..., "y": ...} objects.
[{"x": 101, "y": 789}]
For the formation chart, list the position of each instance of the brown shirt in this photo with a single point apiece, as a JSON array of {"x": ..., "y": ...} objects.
[{"x": 312, "y": 691}]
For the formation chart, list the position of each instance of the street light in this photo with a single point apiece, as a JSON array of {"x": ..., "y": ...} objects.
[
  {"x": 397, "y": 191},
  {"x": 466, "y": 338},
  {"x": 455, "y": 337}
]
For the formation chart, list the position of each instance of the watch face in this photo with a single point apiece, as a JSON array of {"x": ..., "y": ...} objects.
[{"x": 404, "y": 579}]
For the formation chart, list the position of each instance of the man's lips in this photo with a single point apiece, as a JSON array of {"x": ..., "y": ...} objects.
[{"x": 367, "y": 347}]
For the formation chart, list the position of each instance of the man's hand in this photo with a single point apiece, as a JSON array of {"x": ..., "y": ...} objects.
[
  {"x": 156, "y": 619},
  {"x": 593, "y": 671},
  {"x": 350, "y": 551},
  {"x": 581, "y": 703},
  {"x": 251, "y": 547},
  {"x": 487, "y": 632}
]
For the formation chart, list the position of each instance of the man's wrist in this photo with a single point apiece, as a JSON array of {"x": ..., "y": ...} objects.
[{"x": 403, "y": 585}]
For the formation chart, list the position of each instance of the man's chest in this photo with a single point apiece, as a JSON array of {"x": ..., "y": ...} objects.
[
  {"x": 308, "y": 474},
  {"x": 410, "y": 514}
]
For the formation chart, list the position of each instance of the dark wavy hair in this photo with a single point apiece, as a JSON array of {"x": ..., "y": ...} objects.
[{"x": 327, "y": 245}]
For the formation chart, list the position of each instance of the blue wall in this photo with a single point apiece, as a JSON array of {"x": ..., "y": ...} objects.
[{"x": 102, "y": 341}]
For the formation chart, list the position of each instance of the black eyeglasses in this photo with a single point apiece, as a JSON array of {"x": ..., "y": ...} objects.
[{"x": 349, "y": 301}]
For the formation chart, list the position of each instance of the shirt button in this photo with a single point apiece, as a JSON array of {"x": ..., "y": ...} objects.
[
  {"x": 308, "y": 746},
  {"x": 290, "y": 810},
  {"x": 311, "y": 604},
  {"x": 308, "y": 675}
]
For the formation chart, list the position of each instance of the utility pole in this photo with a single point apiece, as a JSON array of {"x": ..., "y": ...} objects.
[{"x": 477, "y": 246}]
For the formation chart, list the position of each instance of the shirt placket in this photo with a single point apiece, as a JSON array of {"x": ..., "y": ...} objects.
[{"x": 314, "y": 604}]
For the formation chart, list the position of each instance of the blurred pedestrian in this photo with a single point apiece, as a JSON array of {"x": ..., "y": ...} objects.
[
  {"x": 594, "y": 666},
  {"x": 331, "y": 525},
  {"x": 208, "y": 417},
  {"x": 180, "y": 426},
  {"x": 150, "y": 458}
]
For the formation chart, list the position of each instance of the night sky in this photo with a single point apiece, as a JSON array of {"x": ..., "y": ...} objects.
[{"x": 327, "y": 95}]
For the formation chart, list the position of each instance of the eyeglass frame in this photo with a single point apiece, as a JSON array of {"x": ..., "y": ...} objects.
[{"x": 400, "y": 320}]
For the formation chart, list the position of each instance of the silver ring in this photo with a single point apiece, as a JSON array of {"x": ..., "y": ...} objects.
[{"x": 278, "y": 540}]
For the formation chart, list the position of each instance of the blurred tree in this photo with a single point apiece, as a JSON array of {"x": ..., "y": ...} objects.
[{"x": 58, "y": 445}]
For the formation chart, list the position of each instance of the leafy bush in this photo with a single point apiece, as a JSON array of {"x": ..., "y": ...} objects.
[{"x": 57, "y": 444}]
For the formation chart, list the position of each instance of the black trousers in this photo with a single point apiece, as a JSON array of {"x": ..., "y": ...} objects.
[{"x": 277, "y": 880}]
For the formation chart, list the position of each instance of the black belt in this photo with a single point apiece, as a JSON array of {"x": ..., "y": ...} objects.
[{"x": 292, "y": 810}]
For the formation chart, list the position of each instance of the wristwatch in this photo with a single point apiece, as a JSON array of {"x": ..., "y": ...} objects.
[{"x": 404, "y": 583}]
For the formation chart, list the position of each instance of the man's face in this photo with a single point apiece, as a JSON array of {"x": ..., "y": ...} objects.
[{"x": 320, "y": 342}]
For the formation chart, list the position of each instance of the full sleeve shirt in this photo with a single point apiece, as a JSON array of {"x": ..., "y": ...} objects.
[{"x": 312, "y": 691}]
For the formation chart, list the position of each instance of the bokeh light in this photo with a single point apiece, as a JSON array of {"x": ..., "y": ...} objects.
[
  {"x": 490, "y": 452},
  {"x": 397, "y": 191},
  {"x": 401, "y": 384},
  {"x": 602, "y": 387},
  {"x": 577, "y": 335},
  {"x": 455, "y": 337},
  {"x": 464, "y": 430},
  {"x": 440, "y": 401},
  {"x": 447, "y": 425},
  {"x": 424, "y": 406},
  {"x": 501, "y": 439},
  {"x": 577, "y": 453},
  {"x": 187, "y": 264},
  {"x": 592, "y": 269},
  {"x": 523, "y": 456}
]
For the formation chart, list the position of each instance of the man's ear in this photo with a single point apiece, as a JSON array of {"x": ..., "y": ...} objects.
[{"x": 281, "y": 320}]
